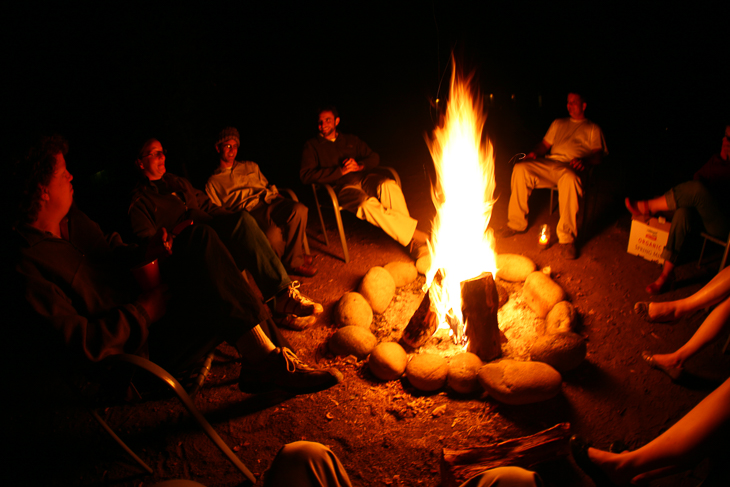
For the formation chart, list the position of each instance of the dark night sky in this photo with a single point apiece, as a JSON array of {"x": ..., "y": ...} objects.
[{"x": 108, "y": 77}]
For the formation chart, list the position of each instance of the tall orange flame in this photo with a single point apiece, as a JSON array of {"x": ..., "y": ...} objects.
[{"x": 461, "y": 246}]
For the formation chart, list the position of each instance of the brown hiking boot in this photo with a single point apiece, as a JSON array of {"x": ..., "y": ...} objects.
[
  {"x": 282, "y": 369},
  {"x": 291, "y": 302},
  {"x": 294, "y": 322}
]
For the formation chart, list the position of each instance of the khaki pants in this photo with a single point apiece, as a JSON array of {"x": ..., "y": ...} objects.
[
  {"x": 379, "y": 200},
  {"x": 545, "y": 173}
]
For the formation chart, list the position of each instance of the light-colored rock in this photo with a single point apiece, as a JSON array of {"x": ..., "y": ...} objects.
[
  {"x": 427, "y": 372},
  {"x": 463, "y": 370},
  {"x": 563, "y": 351},
  {"x": 378, "y": 288},
  {"x": 541, "y": 293},
  {"x": 403, "y": 273},
  {"x": 513, "y": 382},
  {"x": 423, "y": 264},
  {"x": 352, "y": 340},
  {"x": 353, "y": 310},
  {"x": 388, "y": 361},
  {"x": 561, "y": 318},
  {"x": 514, "y": 268}
]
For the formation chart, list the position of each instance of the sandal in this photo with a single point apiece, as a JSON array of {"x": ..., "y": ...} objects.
[{"x": 673, "y": 372}]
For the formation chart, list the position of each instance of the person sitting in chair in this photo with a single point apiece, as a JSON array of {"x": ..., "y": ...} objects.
[
  {"x": 702, "y": 203},
  {"x": 346, "y": 162},
  {"x": 569, "y": 147},
  {"x": 240, "y": 185},
  {"x": 164, "y": 200},
  {"x": 75, "y": 281}
]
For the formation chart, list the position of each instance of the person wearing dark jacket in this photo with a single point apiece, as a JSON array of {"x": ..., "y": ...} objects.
[
  {"x": 77, "y": 295},
  {"x": 164, "y": 200}
]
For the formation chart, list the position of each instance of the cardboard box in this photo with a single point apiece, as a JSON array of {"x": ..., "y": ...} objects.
[{"x": 648, "y": 239}]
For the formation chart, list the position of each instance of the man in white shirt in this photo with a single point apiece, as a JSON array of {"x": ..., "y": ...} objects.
[{"x": 569, "y": 147}]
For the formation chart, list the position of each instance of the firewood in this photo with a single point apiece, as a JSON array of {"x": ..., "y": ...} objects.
[
  {"x": 479, "y": 305},
  {"x": 422, "y": 326},
  {"x": 457, "y": 466}
]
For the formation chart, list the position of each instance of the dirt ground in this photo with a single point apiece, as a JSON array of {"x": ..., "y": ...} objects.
[{"x": 388, "y": 434}]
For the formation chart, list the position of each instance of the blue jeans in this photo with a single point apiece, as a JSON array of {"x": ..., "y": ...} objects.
[{"x": 695, "y": 209}]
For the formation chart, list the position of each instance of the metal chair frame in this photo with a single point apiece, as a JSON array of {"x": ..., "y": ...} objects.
[
  {"x": 338, "y": 209},
  {"x": 724, "y": 243},
  {"x": 184, "y": 397}
]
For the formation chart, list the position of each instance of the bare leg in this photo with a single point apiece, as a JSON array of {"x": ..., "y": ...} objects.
[
  {"x": 644, "y": 208},
  {"x": 657, "y": 204},
  {"x": 712, "y": 293},
  {"x": 705, "y": 334},
  {"x": 667, "y": 274},
  {"x": 683, "y": 442}
]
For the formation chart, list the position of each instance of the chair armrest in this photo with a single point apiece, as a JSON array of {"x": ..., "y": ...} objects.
[{"x": 290, "y": 193}]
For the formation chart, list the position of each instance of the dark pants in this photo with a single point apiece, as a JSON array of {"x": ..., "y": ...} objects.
[
  {"x": 252, "y": 251},
  {"x": 211, "y": 301},
  {"x": 695, "y": 209}
]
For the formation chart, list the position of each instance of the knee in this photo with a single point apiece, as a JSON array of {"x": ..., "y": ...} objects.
[
  {"x": 299, "y": 211},
  {"x": 682, "y": 218},
  {"x": 519, "y": 172},
  {"x": 302, "y": 452}
]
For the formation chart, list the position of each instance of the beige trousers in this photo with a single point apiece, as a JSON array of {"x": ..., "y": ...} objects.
[
  {"x": 545, "y": 173},
  {"x": 379, "y": 200}
]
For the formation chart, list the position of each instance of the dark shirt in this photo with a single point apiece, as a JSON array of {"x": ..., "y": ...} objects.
[
  {"x": 82, "y": 287},
  {"x": 322, "y": 159},
  {"x": 167, "y": 202}
]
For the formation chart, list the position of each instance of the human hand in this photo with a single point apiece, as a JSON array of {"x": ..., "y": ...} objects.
[
  {"x": 160, "y": 245},
  {"x": 531, "y": 155},
  {"x": 351, "y": 165},
  {"x": 154, "y": 302},
  {"x": 577, "y": 164}
]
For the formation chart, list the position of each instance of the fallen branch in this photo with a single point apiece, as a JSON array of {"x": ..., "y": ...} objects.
[{"x": 457, "y": 466}]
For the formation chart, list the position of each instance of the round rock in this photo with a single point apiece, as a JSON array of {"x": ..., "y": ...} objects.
[
  {"x": 513, "y": 382},
  {"x": 427, "y": 372},
  {"x": 378, "y": 288},
  {"x": 423, "y": 264},
  {"x": 463, "y": 370},
  {"x": 403, "y": 273},
  {"x": 353, "y": 310},
  {"x": 352, "y": 340},
  {"x": 514, "y": 268},
  {"x": 541, "y": 293},
  {"x": 388, "y": 361},
  {"x": 561, "y": 318},
  {"x": 563, "y": 351}
]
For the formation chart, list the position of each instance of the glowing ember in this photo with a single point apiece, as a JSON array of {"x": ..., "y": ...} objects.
[{"x": 461, "y": 245}]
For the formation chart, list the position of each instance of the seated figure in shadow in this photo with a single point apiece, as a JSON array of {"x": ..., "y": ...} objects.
[
  {"x": 347, "y": 163},
  {"x": 78, "y": 298},
  {"x": 702, "y": 204}
]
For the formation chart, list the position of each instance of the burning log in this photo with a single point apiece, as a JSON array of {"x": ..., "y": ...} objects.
[
  {"x": 422, "y": 326},
  {"x": 457, "y": 466},
  {"x": 479, "y": 305}
]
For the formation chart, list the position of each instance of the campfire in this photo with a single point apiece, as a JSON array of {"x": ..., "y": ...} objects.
[{"x": 461, "y": 292}]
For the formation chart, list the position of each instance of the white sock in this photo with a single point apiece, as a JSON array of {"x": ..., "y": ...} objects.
[{"x": 254, "y": 346}]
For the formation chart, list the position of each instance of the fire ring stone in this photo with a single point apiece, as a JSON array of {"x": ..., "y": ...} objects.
[{"x": 427, "y": 372}]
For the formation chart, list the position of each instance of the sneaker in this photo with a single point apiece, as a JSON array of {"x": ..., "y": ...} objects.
[
  {"x": 292, "y": 302},
  {"x": 282, "y": 369},
  {"x": 507, "y": 232},
  {"x": 568, "y": 251},
  {"x": 294, "y": 322}
]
